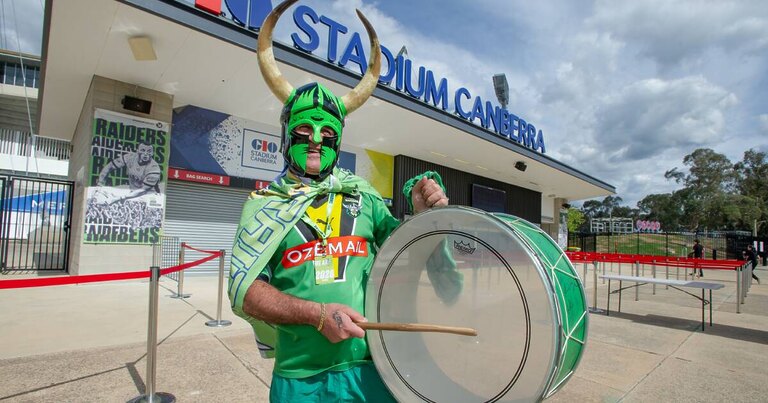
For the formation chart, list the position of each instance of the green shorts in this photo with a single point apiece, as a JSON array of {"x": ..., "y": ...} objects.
[{"x": 357, "y": 384}]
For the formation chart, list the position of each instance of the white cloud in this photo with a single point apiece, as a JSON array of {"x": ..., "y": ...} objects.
[
  {"x": 671, "y": 31},
  {"x": 652, "y": 115},
  {"x": 763, "y": 122},
  {"x": 21, "y": 26}
]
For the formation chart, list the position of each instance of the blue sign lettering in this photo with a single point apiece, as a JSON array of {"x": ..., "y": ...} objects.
[
  {"x": 314, "y": 38},
  {"x": 399, "y": 72}
]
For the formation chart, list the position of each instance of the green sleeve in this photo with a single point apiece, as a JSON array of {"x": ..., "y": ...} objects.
[{"x": 383, "y": 221}]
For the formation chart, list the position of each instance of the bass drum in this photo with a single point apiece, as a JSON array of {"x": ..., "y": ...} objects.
[{"x": 496, "y": 273}]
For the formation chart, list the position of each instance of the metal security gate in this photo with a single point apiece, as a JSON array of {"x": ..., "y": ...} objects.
[
  {"x": 35, "y": 218},
  {"x": 205, "y": 217}
]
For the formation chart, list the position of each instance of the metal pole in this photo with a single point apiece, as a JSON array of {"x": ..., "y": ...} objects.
[
  {"x": 180, "y": 281},
  {"x": 218, "y": 322},
  {"x": 584, "y": 277},
  {"x": 604, "y": 264},
  {"x": 738, "y": 290},
  {"x": 653, "y": 271},
  {"x": 594, "y": 308},
  {"x": 150, "y": 395},
  {"x": 637, "y": 274}
]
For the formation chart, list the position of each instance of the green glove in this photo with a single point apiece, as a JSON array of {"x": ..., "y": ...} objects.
[{"x": 408, "y": 187}]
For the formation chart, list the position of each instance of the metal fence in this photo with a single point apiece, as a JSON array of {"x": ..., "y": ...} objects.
[
  {"x": 716, "y": 245},
  {"x": 165, "y": 254},
  {"x": 15, "y": 142},
  {"x": 35, "y": 218}
]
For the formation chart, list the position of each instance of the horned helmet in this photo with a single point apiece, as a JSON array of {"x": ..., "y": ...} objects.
[{"x": 313, "y": 104}]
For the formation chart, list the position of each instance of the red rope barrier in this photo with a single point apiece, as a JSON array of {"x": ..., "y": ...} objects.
[
  {"x": 92, "y": 278},
  {"x": 185, "y": 266}
]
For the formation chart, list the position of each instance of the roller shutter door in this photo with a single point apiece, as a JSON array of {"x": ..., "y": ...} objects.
[{"x": 205, "y": 217}]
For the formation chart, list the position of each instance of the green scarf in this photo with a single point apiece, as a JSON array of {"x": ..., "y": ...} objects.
[{"x": 267, "y": 217}]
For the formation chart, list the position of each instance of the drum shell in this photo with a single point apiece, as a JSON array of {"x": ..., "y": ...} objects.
[{"x": 507, "y": 294}]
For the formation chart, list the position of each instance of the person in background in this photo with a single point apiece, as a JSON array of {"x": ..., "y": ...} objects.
[
  {"x": 750, "y": 256},
  {"x": 698, "y": 253}
]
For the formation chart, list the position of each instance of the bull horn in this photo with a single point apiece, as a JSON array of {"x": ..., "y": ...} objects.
[
  {"x": 275, "y": 81},
  {"x": 357, "y": 97},
  {"x": 283, "y": 89}
]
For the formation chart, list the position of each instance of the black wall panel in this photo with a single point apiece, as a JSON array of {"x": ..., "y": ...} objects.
[{"x": 521, "y": 202}]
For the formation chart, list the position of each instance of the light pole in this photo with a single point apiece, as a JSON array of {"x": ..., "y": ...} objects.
[{"x": 501, "y": 87}]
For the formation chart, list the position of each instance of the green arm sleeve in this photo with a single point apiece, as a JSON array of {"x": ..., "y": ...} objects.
[
  {"x": 383, "y": 221},
  {"x": 408, "y": 187}
]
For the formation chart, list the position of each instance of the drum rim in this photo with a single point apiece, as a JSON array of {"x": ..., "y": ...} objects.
[
  {"x": 557, "y": 331},
  {"x": 554, "y": 388}
]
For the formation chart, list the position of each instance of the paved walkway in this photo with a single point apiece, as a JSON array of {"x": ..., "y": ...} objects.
[{"x": 87, "y": 343}]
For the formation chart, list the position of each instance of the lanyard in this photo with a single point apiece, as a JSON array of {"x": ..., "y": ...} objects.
[{"x": 324, "y": 235}]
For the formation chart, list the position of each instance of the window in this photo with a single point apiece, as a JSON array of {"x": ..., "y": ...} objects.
[
  {"x": 489, "y": 199},
  {"x": 12, "y": 74}
]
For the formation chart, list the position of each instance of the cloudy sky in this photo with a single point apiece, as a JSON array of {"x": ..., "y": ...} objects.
[{"x": 622, "y": 90}]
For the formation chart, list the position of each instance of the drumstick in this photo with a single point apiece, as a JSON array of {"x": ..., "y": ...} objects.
[{"x": 417, "y": 327}]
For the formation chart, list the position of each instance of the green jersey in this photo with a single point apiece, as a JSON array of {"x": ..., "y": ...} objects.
[{"x": 359, "y": 224}]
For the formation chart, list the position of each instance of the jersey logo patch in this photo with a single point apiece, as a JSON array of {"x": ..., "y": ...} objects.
[
  {"x": 337, "y": 247},
  {"x": 351, "y": 207}
]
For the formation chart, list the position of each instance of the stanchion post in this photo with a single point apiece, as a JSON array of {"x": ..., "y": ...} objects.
[
  {"x": 150, "y": 395},
  {"x": 180, "y": 282},
  {"x": 218, "y": 322},
  {"x": 584, "y": 277},
  {"x": 748, "y": 279},
  {"x": 653, "y": 272}
]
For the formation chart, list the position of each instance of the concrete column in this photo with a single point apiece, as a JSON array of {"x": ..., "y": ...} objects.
[{"x": 105, "y": 93}]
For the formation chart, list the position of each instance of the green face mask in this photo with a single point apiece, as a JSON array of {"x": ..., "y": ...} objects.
[{"x": 314, "y": 106}]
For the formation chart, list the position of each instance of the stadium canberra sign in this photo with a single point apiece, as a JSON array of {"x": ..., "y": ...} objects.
[{"x": 421, "y": 83}]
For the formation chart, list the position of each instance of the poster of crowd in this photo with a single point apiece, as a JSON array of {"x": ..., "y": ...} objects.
[{"x": 126, "y": 181}]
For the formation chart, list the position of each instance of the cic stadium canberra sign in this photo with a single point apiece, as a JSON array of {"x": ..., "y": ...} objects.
[{"x": 421, "y": 83}]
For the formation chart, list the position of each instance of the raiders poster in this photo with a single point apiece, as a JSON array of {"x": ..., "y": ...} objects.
[{"x": 126, "y": 181}]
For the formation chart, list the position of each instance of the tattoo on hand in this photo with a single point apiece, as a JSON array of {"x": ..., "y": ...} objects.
[{"x": 337, "y": 317}]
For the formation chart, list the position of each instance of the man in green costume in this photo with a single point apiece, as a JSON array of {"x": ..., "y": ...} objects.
[{"x": 306, "y": 244}]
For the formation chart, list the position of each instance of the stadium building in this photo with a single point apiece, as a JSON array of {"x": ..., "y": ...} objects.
[{"x": 172, "y": 125}]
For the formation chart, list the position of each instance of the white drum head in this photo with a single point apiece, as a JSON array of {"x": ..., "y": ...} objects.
[{"x": 496, "y": 287}]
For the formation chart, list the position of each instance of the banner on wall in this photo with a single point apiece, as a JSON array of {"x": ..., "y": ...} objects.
[
  {"x": 125, "y": 194},
  {"x": 221, "y": 144},
  {"x": 216, "y": 143}
]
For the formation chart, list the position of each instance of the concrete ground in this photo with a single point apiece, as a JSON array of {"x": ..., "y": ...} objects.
[{"x": 87, "y": 343}]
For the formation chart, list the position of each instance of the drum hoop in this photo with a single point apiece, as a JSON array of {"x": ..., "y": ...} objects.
[
  {"x": 520, "y": 289},
  {"x": 558, "y": 338},
  {"x": 551, "y": 387}
]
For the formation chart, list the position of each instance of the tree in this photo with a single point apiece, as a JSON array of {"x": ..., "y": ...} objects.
[
  {"x": 665, "y": 208},
  {"x": 710, "y": 175},
  {"x": 752, "y": 184},
  {"x": 592, "y": 209},
  {"x": 575, "y": 219}
]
